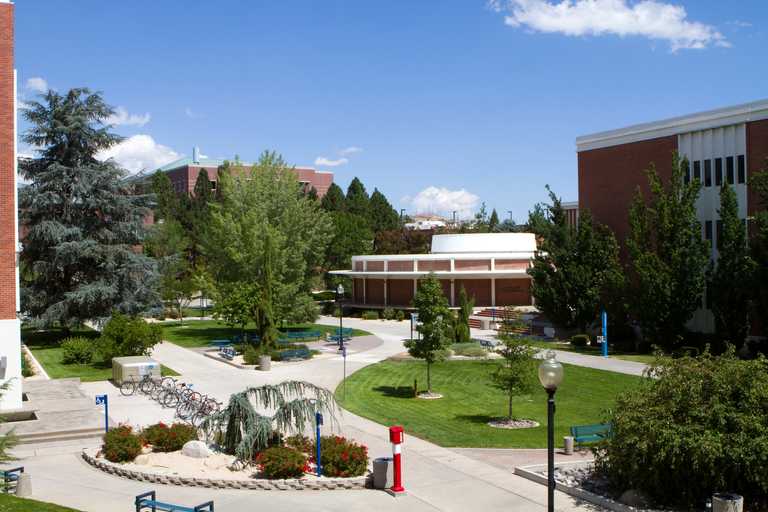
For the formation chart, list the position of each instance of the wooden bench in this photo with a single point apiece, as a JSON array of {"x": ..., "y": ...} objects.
[
  {"x": 302, "y": 335},
  {"x": 11, "y": 476},
  {"x": 335, "y": 338},
  {"x": 219, "y": 343},
  {"x": 590, "y": 433},
  {"x": 148, "y": 500},
  {"x": 299, "y": 353},
  {"x": 227, "y": 353}
]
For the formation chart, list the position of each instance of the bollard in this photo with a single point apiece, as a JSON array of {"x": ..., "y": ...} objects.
[
  {"x": 24, "y": 485},
  {"x": 727, "y": 502},
  {"x": 568, "y": 445},
  {"x": 396, "y": 436}
]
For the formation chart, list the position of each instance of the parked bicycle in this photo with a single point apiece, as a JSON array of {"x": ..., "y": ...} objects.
[{"x": 146, "y": 385}]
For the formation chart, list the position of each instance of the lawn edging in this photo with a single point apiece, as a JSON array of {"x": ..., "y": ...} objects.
[{"x": 39, "y": 369}]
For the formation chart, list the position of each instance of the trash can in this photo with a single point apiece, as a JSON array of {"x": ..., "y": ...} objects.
[
  {"x": 727, "y": 502},
  {"x": 568, "y": 445},
  {"x": 382, "y": 473},
  {"x": 125, "y": 368}
]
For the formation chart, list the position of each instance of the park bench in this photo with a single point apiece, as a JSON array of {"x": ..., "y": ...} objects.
[
  {"x": 148, "y": 501},
  {"x": 227, "y": 353},
  {"x": 302, "y": 335},
  {"x": 298, "y": 353},
  {"x": 485, "y": 343},
  {"x": 590, "y": 433},
  {"x": 11, "y": 476},
  {"x": 219, "y": 343}
]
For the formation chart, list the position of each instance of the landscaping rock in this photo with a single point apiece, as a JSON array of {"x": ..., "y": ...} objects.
[
  {"x": 634, "y": 498},
  {"x": 196, "y": 450}
]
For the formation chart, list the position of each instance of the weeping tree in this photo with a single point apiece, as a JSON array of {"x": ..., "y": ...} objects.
[{"x": 245, "y": 432}]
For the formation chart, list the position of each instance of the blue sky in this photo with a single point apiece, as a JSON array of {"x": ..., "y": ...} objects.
[{"x": 480, "y": 101}]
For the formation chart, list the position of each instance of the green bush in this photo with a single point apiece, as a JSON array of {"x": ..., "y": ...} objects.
[
  {"x": 164, "y": 438},
  {"x": 370, "y": 315},
  {"x": 300, "y": 442},
  {"x": 77, "y": 350},
  {"x": 127, "y": 336},
  {"x": 580, "y": 340},
  {"x": 388, "y": 314},
  {"x": 700, "y": 425},
  {"x": 342, "y": 458},
  {"x": 399, "y": 315},
  {"x": 468, "y": 349},
  {"x": 26, "y": 366},
  {"x": 121, "y": 444},
  {"x": 282, "y": 462},
  {"x": 251, "y": 354}
]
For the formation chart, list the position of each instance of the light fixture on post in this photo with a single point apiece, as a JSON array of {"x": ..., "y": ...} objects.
[
  {"x": 339, "y": 296},
  {"x": 550, "y": 376}
]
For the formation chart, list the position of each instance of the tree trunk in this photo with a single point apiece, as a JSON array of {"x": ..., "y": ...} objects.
[
  {"x": 429, "y": 381},
  {"x": 510, "y": 408},
  {"x": 181, "y": 313}
]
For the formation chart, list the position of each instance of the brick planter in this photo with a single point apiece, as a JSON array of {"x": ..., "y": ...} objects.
[{"x": 258, "y": 484}]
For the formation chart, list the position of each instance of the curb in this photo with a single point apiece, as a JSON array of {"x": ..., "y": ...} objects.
[
  {"x": 39, "y": 370},
  {"x": 293, "y": 484}
]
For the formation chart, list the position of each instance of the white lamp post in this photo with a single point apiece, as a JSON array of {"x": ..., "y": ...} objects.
[
  {"x": 339, "y": 296},
  {"x": 550, "y": 376}
]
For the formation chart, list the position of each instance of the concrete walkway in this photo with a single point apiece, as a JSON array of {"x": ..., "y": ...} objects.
[{"x": 436, "y": 478}]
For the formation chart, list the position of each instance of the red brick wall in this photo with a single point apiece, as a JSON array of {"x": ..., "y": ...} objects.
[
  {"x": 446, "y": 284},
  {"x": 7, "y": 182},
  {"x": 608, "y": 178},
  {"x": 472, "y": 265},
  {"x": 357, "y": 290},
  {"x": 477, "y": 289},
  {"x": 757, "y": 152},
  {"x": 513, "y": 292},
  {"x": 400, "y": 266},
  {"x": 434, "y": 265},
  {"x": 375, "y": 266},
  {"x": 374, "y": 291},
  {"x": 399, "y": 292},
  {"x": 511, "y": 264}
]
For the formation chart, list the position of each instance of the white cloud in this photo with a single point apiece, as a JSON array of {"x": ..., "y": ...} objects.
[
  {"x": 327, "y": 162},
  {"x": 140, "y": 153},
  {"x": 350, "y": 150},
  {"x": 647, "y": 18},
  {"x": 442, "y": 200},
  {"x": 37, "y": 84},
  {"x": 121, "y": 117},
  {"x": 191, "y": 113}
]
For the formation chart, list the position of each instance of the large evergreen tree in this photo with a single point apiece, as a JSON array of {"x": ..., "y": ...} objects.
[
  {"x": 382, "y": 216},
  {"x": 493, "y": 222},
  {"x": 84, "y": 220},
  {"x": 351, "y": 236},
  {"x": 576, "y": 270},
  {"x": 731, "y": 275},
  {"x": 759, "y": 246},
  {"x": 668, "y": 257},
  {"x": 333, "y": 200},
  {"x": 357, "y": 200}
]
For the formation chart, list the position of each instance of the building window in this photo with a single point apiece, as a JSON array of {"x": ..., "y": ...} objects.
[
  {"x": 697, "y": 170},
  {"x": 719, "y": 233},
  {"x": 729, "y": 169},
  {"x": 707, "y": 173},
  {"x": 708, "y": 230},
  {"x": 742, "y": 169},
  {"x": 719, "y": 172},
  {"x": 686, "y": 172},
  {"x": 213, "y": 185}
]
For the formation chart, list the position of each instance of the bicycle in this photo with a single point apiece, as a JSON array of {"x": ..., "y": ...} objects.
[
  {"x": 145, "y": 385},
  {"x": 172, "y": 396}
]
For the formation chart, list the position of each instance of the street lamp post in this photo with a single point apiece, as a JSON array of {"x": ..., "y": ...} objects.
[
  {"x": 550, "y": 376},
  {"x": 339, "y": 296}
]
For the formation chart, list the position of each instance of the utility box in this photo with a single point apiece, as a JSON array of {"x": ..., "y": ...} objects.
[{"x": 136, "y": 367}]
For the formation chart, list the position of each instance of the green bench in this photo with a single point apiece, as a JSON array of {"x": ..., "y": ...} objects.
[
  {"x": 227, "y": 353},
  {"x": 299, "y": 353},
  {"x": 148, "y": 500},
  {"x": 591, "y": 433},
  {"x": 301, "y": 335},
  {"x": 11, "y": 476}
]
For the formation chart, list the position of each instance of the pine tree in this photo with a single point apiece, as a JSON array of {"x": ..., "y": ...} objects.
[
  {"x": 83, "y": 218},
  {"x": 166, "y": 199},
  {"x": 312, "y": 194},
  {"x": 731, "y": 275},
  {"x": 382, "y": 216},
  {"x": 759, "y": 246},
  {"x": 668, "y": 257},
  {"x": 357, "y": 200},
  {"x": 351, "y": 236},
  {"x": 493, "y": 222},
  {"x": 515, "y": 374},
  {"x": 466, "y": 306},
  {"x": 333, "y": 200}
]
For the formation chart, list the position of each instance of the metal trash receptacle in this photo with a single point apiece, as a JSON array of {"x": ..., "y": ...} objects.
[
  {"x": 126, "y": 368},
  {"x": 382, "y": 473},
  {"x": 727, "y": 502}
]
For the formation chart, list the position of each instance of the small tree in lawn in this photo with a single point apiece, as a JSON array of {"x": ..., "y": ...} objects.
[
  {"x": 435, "y": 323},
  {"x": 515, "y": 375},
  {"x": 466, "y": 305}
]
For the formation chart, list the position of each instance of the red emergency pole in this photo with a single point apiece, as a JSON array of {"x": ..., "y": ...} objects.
[{"x": 396, "y": 438}]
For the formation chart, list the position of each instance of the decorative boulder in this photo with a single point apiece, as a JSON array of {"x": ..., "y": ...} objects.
[{"x": 196, "y": 449}]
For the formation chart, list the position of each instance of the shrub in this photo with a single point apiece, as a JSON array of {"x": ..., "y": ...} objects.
[
  {"x": 700, "y": 425},
  {"x": 580, "y": 340},
  {"x": 301, "y": 443},
  {"x": 168, "y": 439},
  {"x": 121, "y": 444},
  {"x": 370, "y": 315},
  {"x": 251, "y": 354},
  {"x": 153, "y": 434},
  {"x": 127, "y": 336},
  {"x": 282, "y": 462},
  {"x": 468, "y": 349},
  {"x": 388, "y": 314},
  {"x": 342, "y": 458},
  {"x": 77, "y": 350},
  {"x": 26, "y": 366},
  {"x": 399, "y": 315}
]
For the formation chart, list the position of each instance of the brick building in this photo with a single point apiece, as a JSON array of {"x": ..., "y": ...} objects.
[
  {"x": 183, "y": 174},
  {"x": 10, "y": 327},
  {"x": 724, "y": 145},
  {"x": 492, "y": 268}
]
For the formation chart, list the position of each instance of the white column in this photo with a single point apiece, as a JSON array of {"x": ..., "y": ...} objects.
[{"x": 493, "y": 264}]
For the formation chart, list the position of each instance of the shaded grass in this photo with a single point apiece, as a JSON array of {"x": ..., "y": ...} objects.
[
  {"x": 592, "y": 351},
  {"x": 197, "y": 333},
  {"x": 383, "y": 392},
  {"x": 9, "y": 503},
  {"x": 45, "y": 347}
]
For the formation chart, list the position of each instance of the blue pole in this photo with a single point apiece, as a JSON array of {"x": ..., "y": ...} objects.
[
  {"x": 604, "y": 316},
  {"x": 318, "y": 422},
  {"x": 106, "y": 413}
]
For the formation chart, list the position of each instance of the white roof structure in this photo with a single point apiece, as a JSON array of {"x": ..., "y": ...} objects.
[{"x": 484, "y": 243}]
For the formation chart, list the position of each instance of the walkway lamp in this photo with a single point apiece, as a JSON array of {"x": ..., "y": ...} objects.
[
  {"x": 339, "y": 296},
  {"x": 550, "y": 376}
]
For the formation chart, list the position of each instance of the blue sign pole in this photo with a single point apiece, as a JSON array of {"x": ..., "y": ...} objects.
[
  {"x": 318, "y": 422},
  {"x": 104, "y": 399},
  {"x": 604, "y": 316}
]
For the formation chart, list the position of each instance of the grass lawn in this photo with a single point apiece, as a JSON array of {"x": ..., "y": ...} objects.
[
  {"x": 197, "y": 333},
  {"x": 383, "y": 392},
  {"x": 45, "y": 347},
  {"x": 10, "y": 503},
  {"x": 593, "y": 351}
]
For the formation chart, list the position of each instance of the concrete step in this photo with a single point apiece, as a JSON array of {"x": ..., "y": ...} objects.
[{"x": 61, "y": 435}]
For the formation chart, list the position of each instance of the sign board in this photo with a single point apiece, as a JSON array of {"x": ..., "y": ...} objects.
[
  {"x": 101, "y": 399},
  {"x": 601, "y": 339}
]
